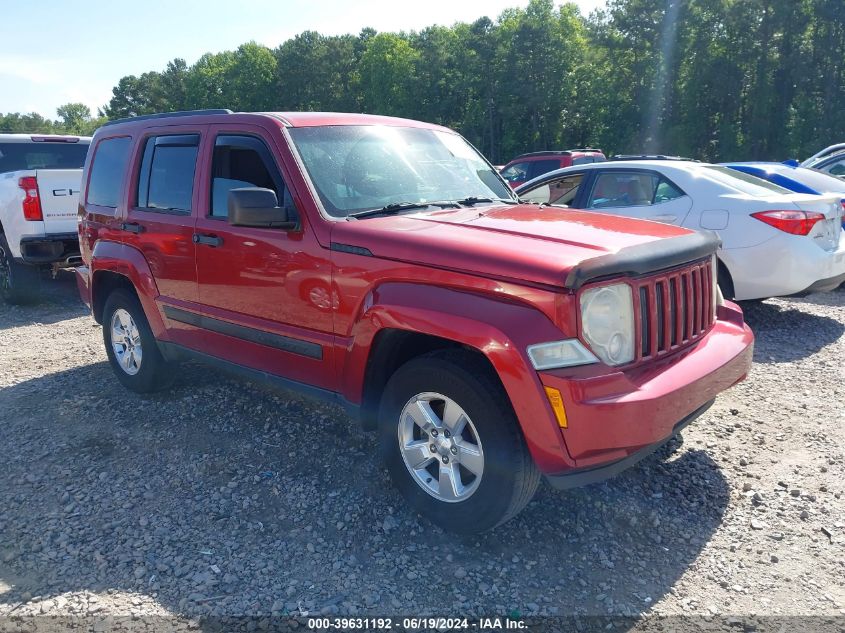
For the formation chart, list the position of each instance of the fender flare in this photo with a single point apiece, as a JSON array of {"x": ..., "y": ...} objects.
[
  {"x": 129, "y": 262},
  {"x": 499, "y": 330}
]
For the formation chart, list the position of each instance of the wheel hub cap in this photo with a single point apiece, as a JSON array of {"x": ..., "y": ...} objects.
[
  {"x": 126, "y": 342},
  {"x": 441, "y": 447}
]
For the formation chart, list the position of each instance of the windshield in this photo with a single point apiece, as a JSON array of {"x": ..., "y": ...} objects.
[
  {"x": 355, "y": 168},
  {"x": 744, "y": 183},
  {"x": 41, "y": 155}
]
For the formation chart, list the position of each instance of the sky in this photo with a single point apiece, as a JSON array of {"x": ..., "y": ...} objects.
[{"x": 74, "y": 51}]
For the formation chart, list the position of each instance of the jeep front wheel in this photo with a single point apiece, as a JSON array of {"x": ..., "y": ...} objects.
[{"x": 452, "y": 444}]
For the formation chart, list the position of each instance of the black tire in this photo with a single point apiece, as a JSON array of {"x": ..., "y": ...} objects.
[
  {"x": 725, "y": 281},
  {"x": 153, "y": 371},
  {"x": 509, "y": 478},
  {"x": 19, "y": 282}
]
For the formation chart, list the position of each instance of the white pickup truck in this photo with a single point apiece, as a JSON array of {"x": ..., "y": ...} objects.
[{"x": 40, "y": 177}]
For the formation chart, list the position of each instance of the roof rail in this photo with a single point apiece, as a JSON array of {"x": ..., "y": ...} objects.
[
  {"x": 167, "y": 115},
  {"x": 650, "y": 157}
]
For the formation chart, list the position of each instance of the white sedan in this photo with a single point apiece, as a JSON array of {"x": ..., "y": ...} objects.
[{"x": 774, "y": 242}]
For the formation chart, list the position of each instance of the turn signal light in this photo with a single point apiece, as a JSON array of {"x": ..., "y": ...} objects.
[
  {"x": 31, "y": 201},
  {"x": 793, "y": 222},
  {"x": 556, "y": 400}
]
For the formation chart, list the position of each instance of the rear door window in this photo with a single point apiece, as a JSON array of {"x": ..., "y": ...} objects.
[
  {"x": 107, "y": 171},
  {"x": 166, "y": 180},
  {"x": 622, "y": 189}
]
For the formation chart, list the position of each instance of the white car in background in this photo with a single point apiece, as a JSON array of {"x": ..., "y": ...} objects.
[{"x": 774, "y": 242}]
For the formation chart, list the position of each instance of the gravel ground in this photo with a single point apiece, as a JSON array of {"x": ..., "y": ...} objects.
[{"x": 220, "y": 497}]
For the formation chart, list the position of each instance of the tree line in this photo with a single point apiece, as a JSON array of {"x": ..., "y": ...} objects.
[{"x": 710, "y": 79}]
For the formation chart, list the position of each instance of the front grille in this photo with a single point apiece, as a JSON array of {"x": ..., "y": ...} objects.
[{"x": 673, "y": 309}]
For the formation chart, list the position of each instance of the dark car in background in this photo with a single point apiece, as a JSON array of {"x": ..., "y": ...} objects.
[{"x": 528, "y": 166}]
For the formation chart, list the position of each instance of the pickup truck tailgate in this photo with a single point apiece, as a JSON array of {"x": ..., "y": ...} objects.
[{"x": 59, "y": 193}]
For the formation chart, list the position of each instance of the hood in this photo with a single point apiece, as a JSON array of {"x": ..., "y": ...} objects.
[{"x": 521, "y": 242}]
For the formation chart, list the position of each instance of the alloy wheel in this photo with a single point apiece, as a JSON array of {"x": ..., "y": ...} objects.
[
  {"x": 126, "y": 342},
  {"x": 441, "y": 447}
]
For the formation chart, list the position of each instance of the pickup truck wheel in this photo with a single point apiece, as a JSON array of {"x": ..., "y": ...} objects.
[
  {"x": 131, "y": 346},
  {"x": 19, "y": 283},
  {"x": 452, "y": 444}
]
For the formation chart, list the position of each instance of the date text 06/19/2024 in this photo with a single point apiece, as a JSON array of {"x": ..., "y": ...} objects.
[{"x": 416, "y": 623}]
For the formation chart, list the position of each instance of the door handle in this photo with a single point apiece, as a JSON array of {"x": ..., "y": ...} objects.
[
  {"x": 208, "y": 240},
  {"x": 132, "y": 227}
]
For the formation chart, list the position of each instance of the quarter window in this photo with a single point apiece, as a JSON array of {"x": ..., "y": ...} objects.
[
  {"x": 166, "y": 181},
  {"x": 107, "y": 171}
]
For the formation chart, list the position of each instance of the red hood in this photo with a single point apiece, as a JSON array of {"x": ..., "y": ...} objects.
[{"x": 524, "y": 242}]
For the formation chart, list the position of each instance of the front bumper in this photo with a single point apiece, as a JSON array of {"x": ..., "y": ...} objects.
[
  {"x": 62, "y": 248},
  {"x": 591, "y": 475},
  {"x": 611, "y": 417}
]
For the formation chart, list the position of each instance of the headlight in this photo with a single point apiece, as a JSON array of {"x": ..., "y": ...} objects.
[{"x": 607, "y": 322}]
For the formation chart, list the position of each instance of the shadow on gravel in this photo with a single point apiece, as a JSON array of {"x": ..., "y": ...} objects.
[
  {"x": 58, "y": 301},
  {"x": 789, "y": 334},
  {"x": 218, "y": 499}
]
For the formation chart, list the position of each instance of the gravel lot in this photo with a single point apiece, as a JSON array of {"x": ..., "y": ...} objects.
[{"x": 220, "y": 497}]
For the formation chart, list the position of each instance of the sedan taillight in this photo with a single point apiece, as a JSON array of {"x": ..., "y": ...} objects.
[
  {"x": 793, "y": 222},
  {"x": 31, "y": 201}
]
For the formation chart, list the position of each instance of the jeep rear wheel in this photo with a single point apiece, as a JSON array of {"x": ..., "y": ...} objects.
[
  {"x": 19, "y": 283},
  {"x": 452, "y": 444},
  {"x": 130, "y": 345}
]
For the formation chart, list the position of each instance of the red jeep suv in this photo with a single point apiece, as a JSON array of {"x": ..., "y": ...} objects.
[
  {"x": 529, "y": 166},
  {"x": 383, "y": 264}
]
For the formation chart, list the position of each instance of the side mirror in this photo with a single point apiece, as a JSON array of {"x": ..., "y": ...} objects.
[{"x": 257, "y": 207}]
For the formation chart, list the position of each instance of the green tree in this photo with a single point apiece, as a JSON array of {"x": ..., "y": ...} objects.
[
  {"x": 74, "y": 117},
  {"x": 386, "y": 75}
]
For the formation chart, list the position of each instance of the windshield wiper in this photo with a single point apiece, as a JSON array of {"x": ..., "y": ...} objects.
[
  {"x": 473, "y": 200},
  {"x": 396, "y": 207}
]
